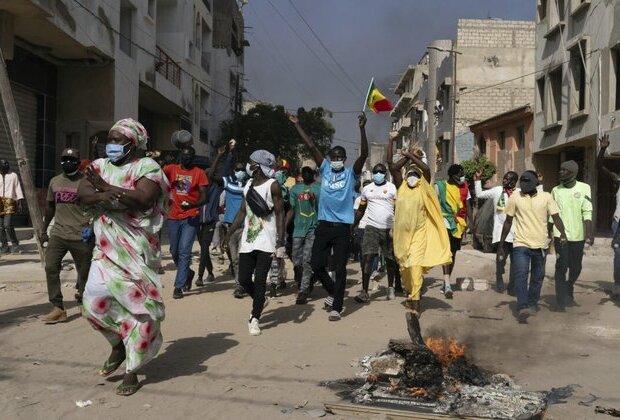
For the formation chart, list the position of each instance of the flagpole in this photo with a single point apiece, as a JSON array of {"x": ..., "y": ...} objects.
[{"x": 372, "y": 80}]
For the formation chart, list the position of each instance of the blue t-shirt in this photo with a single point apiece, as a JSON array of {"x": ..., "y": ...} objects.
[
  {"x": 337, "y": 188},
  {"x": 234, "y": 196}
]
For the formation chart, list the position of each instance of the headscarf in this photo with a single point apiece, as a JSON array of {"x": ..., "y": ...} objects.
[
  {"x": 133, "y": 130},
  {"x": 572, "y": 168},
  {"x": 266, "y": 161},
  {"x": 528, "y": 182}
]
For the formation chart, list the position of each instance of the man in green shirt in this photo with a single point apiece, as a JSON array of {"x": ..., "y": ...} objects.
[
  {"x": 574, "y": 199},
  {"x": 304, "y": 201}
]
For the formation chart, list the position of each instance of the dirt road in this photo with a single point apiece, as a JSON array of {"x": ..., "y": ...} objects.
[{"x": 210, "y": 367}]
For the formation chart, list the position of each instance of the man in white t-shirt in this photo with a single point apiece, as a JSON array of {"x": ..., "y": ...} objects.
[
  {"x": 499, "y": 196},
  {"x": 377, "y": 204}
]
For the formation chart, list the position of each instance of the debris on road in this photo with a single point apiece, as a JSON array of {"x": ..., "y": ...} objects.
[
  {"x": 83, "y": 403},
  {"x": 609, "y": 411}
]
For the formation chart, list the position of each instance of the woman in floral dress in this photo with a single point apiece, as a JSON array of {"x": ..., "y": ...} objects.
[{"x": 128, "y": 197}]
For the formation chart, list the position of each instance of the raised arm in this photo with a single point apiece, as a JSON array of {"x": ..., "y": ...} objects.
[
  {"x": 394, "y": 168},
  {"x": 212, "y": 172},
  {"x": 416, "y": 158},
  {"x": 358, "y": 166},
  {"x": 604, "y": 142},
  {"x": 480, "y": 193},
  {"x": 316, "y": 153}
]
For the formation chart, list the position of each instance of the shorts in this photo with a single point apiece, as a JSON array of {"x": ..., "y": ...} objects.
[
  {"x": 377, "y": 241},
  {"x": 455, "y": 243}
]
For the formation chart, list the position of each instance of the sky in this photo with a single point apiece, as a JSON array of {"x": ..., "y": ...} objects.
[{"x": 285, "y": 64}]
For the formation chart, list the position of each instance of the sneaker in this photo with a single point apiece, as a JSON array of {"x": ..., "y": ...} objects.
[
  {"x": 302, "y": 298},
  {"x": 178, "y": 293},
  {"x": 55, "y": 315},
  {"x": 447, "y": 291},
  {"x": 328, "y": 302},
  {"x": 200, "y": 283},
  {"x": 391, "y": 294},
  {"x": 188, "y": 281},
  {"x": 362, "y": 297},
  {"x": 399, "y": 290},
  {"x": 334, "y": 316},
  {"x": 253, "y": 326},
  {"x": 239, "y": 293},
  {"x": 210, "y": 278},
  {"x": 523, "y": 315},
  {"x": 273, "y": 290}
]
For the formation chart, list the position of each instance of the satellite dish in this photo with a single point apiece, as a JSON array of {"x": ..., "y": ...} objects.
[{"x": 181, "y": 138}]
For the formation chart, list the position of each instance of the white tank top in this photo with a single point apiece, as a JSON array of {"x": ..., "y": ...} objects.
[{"x": 259, "y": 234}]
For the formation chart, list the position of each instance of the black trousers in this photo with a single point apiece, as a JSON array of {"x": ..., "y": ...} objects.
[
  {"x": 327, "y": 237},
  {"x": 205, "y": 236},
  {"x": 257, "y": 263},
  {"x": 569, "y": 258}
]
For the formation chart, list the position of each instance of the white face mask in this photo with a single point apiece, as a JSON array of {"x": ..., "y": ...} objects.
[
  {"x": 248, "y": 170},
  {"x": 461, "y": 180},
  {"x": 336, "y": 165},
  {"x": 412, "y": 181}
]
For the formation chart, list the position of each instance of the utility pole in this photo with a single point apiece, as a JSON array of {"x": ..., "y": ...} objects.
[
  {"x": 431, "y": 140},
  {"x": 20, "y": 155}
]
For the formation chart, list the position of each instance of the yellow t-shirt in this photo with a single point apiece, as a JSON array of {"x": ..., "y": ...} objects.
[{"x": 531, "y": 214}]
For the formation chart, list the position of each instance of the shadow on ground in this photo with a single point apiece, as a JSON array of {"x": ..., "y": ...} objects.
[{"x": 25, "y": 313}]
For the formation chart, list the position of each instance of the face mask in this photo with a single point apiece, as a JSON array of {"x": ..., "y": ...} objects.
[
  {"x": 240, "y": 175},
  {"x": 249, "y": 170},
  {"x": 69, "y": 167},
  {"x": 186, "y": 160},
  {"x": 116, "y": 152},
  {"x": 461, "y": 180},
  {"x": 280, "y": 177},
  {"x": 336, "y": 165},
  {"x": 378, "y": 178},
  {"x": 412, "y": 181}
]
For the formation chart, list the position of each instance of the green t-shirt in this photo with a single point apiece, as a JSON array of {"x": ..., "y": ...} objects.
[
  {"x": 575, "y": 207},
  {"x": 70, "y": 217},
  {"x": 304, "y": 200}
]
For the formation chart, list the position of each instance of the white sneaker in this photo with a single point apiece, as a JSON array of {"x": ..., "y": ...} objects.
[
  {"x": 334, "y": 316},
  {"x": 253, "y": 327},
  {"x": 390, "y": 294}
]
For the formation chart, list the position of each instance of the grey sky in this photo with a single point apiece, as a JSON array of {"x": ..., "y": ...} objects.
[{"x": 368, "y": 37}]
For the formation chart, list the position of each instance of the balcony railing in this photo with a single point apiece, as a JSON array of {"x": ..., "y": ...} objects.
[
  {"x": 205, "y": 59},
  {"x": 167, "y": 67}
]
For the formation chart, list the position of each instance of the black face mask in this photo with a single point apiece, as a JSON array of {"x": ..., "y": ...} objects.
[
  {"x": 70, "y": 167},
  {"x": 186, "y": 160}
]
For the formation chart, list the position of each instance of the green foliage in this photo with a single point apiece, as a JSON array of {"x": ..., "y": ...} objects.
[
  {"x": 480, "y": 163},
  {"x": 268, "y": 127}
]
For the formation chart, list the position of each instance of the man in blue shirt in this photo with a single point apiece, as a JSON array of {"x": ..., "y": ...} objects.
[{"x": 333, "y": 232}]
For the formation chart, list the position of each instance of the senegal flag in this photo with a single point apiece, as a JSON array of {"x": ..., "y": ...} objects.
[{"x": 375, "y": 99}]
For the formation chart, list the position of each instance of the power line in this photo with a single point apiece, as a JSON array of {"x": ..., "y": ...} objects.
[
  {"x": 349, "y": 78},
  {"x": 310, "y": 48}
]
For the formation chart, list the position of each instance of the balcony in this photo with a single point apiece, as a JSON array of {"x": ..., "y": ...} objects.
[
  {"x": 167, "y": 67},
  {"x": 205, "y": 59}
]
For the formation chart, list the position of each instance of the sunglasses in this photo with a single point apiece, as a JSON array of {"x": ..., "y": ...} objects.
[{"x": 378, "y": 171}]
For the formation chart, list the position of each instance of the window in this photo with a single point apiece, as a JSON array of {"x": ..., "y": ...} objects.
[
  {"x": 554, "y": 109},
  {"x": 542, "y": 10},
  {"x": 556, "y": 16},
  {"x": 521, "y": 137},
  {"x": 501, "y": 140},
  {"x": 578, "y": 76},
  {"x": 151, "y": 8},
  {"x": 126, "y": 28},
  {"x": 540, "y": 95},
  {"x": 614, "y": 79},
  {"x": 482, "y": 145}
]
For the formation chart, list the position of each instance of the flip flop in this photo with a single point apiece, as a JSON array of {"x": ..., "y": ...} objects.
[
  {"x": 126, "y": 390},
  {"x": 109, "y": 367}
]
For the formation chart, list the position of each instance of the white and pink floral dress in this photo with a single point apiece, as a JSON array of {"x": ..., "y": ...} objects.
[{"x": 123, "y": 298}]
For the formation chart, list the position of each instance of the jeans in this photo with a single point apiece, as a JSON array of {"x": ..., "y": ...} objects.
[
  {"x": 328, "y": 236},
  {"x": 500, "y": 266},
  {"x": 204, "y": 239},
  {"x": 302, "y": 255},
  {"x": 569, "y": 258},
  {"x": 182, "y": 234},
  {"x": 7, "y": 229},
  {"x": 527, "y": 261},
  {"x": 614, "y": 226},
  {"x": 257, "y": 263},
  {"x": 57, "y": 248}
]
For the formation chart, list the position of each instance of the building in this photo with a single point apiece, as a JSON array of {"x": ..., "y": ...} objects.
[
  {"x": 480, "y": 74},
  {"x": 77, "y": 66},
  {"x": 578, "y": 92},
  {"x": 506, "y": 139}
]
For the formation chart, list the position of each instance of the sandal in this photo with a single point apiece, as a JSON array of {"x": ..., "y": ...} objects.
[
  {"x": 110, "y": 367},
  {"x": 126, "y": 390}
]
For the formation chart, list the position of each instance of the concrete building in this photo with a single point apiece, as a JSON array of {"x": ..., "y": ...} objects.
[
  {"x": 78, "y": 66},
  {"x": 578, "y": 92},
  {"x": 506, "y": 139},
  {"x": 478, "y": 76}
]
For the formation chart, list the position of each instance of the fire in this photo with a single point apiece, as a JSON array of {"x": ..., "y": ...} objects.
[
  {"x": 418, "y": 392},
  {"x": 447, "y": 350}
]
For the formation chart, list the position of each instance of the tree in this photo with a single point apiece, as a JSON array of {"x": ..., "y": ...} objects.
[
  {"x": 479, "y": 163},
  {"x": 268, "y": 127}
]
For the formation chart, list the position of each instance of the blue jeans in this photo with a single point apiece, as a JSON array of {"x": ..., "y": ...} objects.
[
  {"x": 614, "y": 226},
  {"x": 182, "y": 234},
  {"x": 526, "y": 262}
]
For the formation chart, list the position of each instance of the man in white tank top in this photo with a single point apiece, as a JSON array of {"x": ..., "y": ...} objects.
[{"x": 262, "y": 216}]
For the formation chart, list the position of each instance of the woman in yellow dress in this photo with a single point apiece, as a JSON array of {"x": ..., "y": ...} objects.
[{"x": 420, "y": 237}]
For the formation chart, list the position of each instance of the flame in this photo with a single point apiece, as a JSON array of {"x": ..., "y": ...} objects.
[
  {"x": 417, "y": 392},
  {"x": 447, "y": 350}
]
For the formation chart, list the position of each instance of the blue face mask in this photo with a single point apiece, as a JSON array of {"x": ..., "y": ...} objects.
[
  {"x": 378, "y": 178},
  {"x": 116, "y": 152}
]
